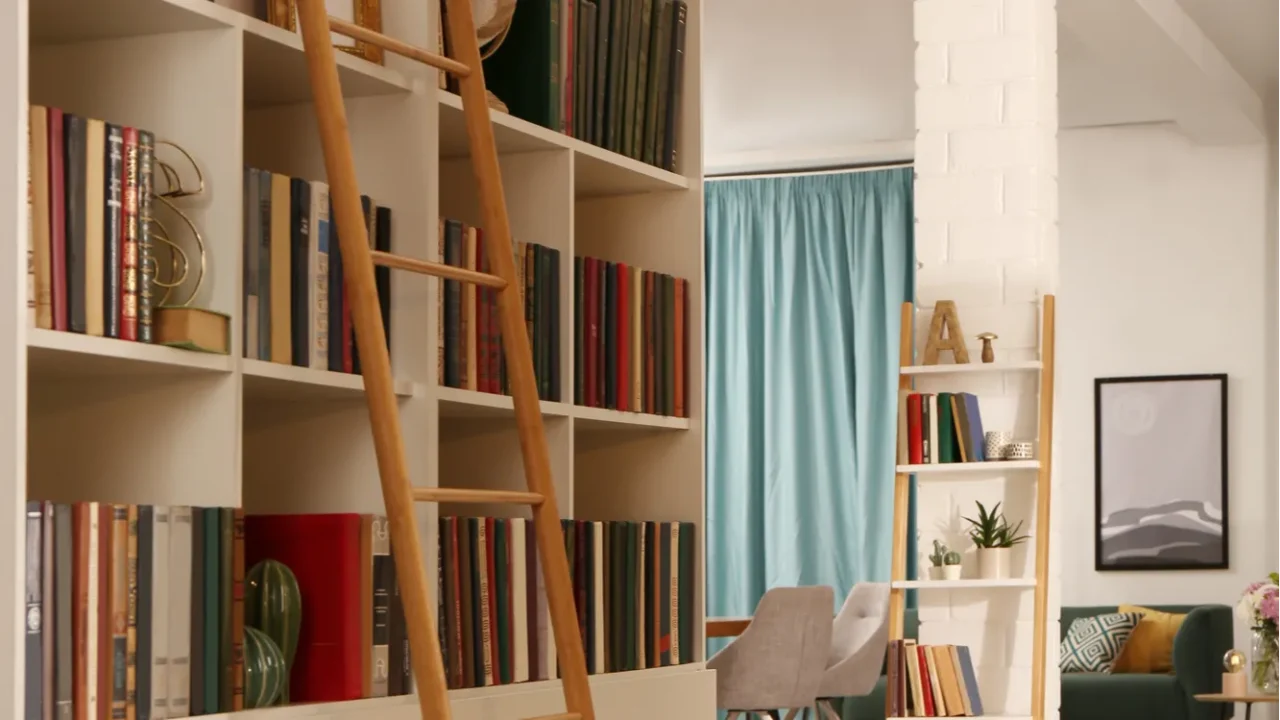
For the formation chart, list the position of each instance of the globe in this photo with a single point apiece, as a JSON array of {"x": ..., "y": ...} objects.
[{"x": 1233, "y": 661}]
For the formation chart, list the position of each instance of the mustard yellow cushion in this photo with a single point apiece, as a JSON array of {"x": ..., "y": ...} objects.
[{"x": 1150, "y": 647}]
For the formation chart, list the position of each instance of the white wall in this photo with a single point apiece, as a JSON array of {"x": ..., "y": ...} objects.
[{"x": 1165, "y": 269}]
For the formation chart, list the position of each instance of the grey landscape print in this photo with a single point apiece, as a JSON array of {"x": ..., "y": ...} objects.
[{"x": 1161, "y": 472}]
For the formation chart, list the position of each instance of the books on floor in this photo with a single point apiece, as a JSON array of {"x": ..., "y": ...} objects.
[
  {"x": 89, "y": 188},
  {"x": 633, "y": 586},
  {"x": 631, "y": 342},
  {"x": 295, "y": 303},
  {"x": 468, "y": 325}
]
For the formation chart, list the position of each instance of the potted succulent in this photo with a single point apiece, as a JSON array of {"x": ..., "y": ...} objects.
[
  {"x": 945, "y": 563},
  {"x": 994, "y": 538}
]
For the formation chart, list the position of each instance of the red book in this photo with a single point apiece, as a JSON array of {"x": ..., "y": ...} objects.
[
  {"x": 915, "y": 439},
  {"x": 57, "y": 221},
  {"x": 129, "y": 273},
  {"x": 492, "y": 607},
  {"x": 323, "y": 551},
  {"x": 649, "y": 328},
  {"x": 481, "y": 328},
  {"x": 926, "y": 687},
  {"x": 623, "y": 355},
  {"x": 591, "y": 332},
  {"x": 678, "y": 350}
]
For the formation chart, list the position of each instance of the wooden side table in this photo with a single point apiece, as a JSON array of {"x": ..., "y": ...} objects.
[{"x": 1248, "y": 701}]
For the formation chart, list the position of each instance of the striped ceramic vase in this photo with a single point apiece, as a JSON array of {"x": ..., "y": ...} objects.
[
  {"x": 273, "y": 605},
  {"x": 264, "y": 670}
]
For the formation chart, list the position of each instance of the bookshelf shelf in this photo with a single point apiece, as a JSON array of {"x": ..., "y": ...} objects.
[
  {"x": 992, "y": 467},
  {"x": 53, "y": 352},
  {"x": 588, "y": 418},
  {"x": 973, "y": 584},
  {"x": 274, "y": 381},
  {"x": 597, "y": 172},
  {"x": 275, "y": 69},
  {"x": 973, "y": 368},
  {"x": 165, "y": 426},
  {"x": 455, "y": 403},
  {"x": 75, "y": 20}
]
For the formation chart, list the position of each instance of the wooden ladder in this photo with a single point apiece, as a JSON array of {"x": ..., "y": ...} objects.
[{"x": 358, "y": 262}]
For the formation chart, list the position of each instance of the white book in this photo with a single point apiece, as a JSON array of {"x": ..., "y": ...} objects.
[
  {"x": 179, "y": 585},
  {"x": 160, "y": 613},
  {"x": 519, "y": 603},
  {"x": 546, "y": 641},
  {"x": 91, "y": 626},
  {"x": 597, "y": 592},
  {"x": 318, "y": 276}
]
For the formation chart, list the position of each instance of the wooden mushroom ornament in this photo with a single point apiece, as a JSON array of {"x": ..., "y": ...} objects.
[{"x": 988, "y": 355}]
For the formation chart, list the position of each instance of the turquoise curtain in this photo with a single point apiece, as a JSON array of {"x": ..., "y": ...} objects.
[{"x": 805, "y": 280}]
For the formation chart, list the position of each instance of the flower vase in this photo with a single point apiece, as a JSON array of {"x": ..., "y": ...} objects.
[{"x": 1263, "y": 661}]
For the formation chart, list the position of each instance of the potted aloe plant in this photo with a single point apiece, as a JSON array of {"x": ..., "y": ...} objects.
[
  {"x": 994, "y": 539},
  {"x": 944, "y": 563}
]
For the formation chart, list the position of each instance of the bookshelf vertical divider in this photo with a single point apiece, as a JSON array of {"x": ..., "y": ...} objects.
[
  {"x": 98, "y": 419},
  {"x": 900, "y": 583}
]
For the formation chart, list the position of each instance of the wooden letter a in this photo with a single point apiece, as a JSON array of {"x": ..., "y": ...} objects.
[{"x": 945, "y": 318}]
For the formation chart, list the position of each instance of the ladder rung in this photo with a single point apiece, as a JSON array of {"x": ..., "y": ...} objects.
[
  {"x": 439, "y": 62},
  {"x": 448, "y": 272},
  {"x": 461, "y": 495},
  {"x": 561, "y": 716}
]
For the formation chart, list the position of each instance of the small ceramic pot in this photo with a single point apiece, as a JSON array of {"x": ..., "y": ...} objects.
[
  {"x": 937, "y": 573},
  {"x": 1018, "y": 451},
  {"x": 996, "y": 444},
  {"x": 950, "y": 572},
  {"x": 993, "y": 563}
]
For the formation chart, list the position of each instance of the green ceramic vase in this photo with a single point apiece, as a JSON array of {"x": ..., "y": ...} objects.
[
  {"x": 273, "y": 605},
  {"x": 264, "y": 669}
]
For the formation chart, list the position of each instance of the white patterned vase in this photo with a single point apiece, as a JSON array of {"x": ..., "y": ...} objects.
[{"x": 996, "y": 444}]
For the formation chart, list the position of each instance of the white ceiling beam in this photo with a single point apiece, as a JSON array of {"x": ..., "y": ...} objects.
[{"x": 1211, "y": 102}]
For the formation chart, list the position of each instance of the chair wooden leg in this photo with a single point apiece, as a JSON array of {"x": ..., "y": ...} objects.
[{"x": 826, "y": 711}]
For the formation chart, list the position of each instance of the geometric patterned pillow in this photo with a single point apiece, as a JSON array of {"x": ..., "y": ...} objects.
[{"x": 1093, "y": 643}]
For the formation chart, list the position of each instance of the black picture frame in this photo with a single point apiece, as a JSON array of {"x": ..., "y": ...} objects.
[{"x": 1172, "y": 516}]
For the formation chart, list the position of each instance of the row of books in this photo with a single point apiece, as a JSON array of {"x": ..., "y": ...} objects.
[
  {"x": 939, "y": 428},
  {"x": 930, "y": 681},
  {"x": 469, "y": 333},
  {"x": 295, "y": 305},
  {"x": 89, "y": 196},
  {"x": 137, "y": 611},
  {"x": 631, "y": 345},
  {"x": 608, "y": 72},
  {"x": 633, "y": 585}
]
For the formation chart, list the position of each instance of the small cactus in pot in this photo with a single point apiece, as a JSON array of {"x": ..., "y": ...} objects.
[{"x": 945, "y": 563}]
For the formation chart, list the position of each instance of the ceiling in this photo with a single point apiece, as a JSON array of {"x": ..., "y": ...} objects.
[{"x": 838, "y": 74}]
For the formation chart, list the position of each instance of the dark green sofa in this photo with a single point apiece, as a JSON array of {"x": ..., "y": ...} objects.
[{"x": 1205, "y": 636}]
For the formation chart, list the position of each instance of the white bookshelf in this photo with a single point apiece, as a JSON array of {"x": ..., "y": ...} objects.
[{"x": 161, "y": 425}]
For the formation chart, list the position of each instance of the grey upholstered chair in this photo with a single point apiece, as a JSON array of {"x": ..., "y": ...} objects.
[
  {"x": 859, "y": 637},
  {"x": 778, "y": 660}
]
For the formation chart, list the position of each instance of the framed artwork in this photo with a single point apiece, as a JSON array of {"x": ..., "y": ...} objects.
[
  {"x": 1160, "y": 473},
  {"x": 365, "y": 13}
]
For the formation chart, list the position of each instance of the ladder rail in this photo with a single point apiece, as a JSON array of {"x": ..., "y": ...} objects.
[
  {"x": 366, "y": 315},
  {"x": 528, "y": 411},
  {"x": 390, "y": 44}
]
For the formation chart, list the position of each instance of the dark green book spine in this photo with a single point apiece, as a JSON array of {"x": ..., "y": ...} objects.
[
  {"x": 688, "y": 534},
  {"x": 617, "y": 78},
  {"x": 579, "y": 71},
  {"x": 212, "y": 610},
  {"x": 600, "y": 79},
  {"x": 553, "y": 325},
  {"x": 642, "y": 77},
  {"x": 657, "y": 86},
  {"x": 557, "y": 106},
  {"x": 631, "y": 63},
  {"x": 675, "y": 85},
  {"x": 502, "y": 585}
]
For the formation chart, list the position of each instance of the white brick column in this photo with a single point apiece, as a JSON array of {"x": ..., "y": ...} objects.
[{"x": 986, "y": 237}]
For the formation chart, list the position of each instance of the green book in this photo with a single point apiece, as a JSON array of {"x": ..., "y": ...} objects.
[
  {"x": 502, "y": 584},
  {"x": 212, "y": 610},
  {"x": 946, "y": 431}
]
